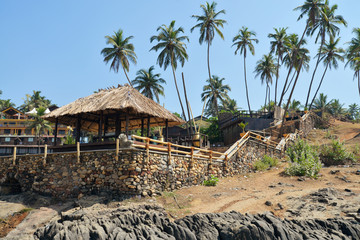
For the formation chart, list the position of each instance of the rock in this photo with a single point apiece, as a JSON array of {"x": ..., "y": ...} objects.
[
  {"x": 301, "y": 179},
  {"x": 268, "y": 203},
  {"x": 280, "y": 206},
  {"x": 334, "y": 171},
  {"x": 347, "y": 190}
]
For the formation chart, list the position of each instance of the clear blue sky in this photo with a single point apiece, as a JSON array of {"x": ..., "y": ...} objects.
[{"x": 54, "y": 47}]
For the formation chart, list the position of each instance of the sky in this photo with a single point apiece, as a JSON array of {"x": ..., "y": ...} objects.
[{"x": 54, "y": 47}]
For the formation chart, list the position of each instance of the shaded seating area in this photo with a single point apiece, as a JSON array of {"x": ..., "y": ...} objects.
[{"x": 114, "y": 110}]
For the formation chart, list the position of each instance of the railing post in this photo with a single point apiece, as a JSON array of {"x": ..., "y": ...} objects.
[
  {"x": 169, "y": 153},
  {"x": 45, "y": 154},
  {"x": 147, "y": 149},
  {"x": 78, "y": 151},
  {"x": 117, "y": 149},
  {"x": 192, "y": 157},
  {"x": 14, "y": 156}
]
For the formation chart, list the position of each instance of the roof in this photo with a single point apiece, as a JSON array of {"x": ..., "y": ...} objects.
[
  {"x": 110, "y": 102},
  {"x": 11, "y": 111}
]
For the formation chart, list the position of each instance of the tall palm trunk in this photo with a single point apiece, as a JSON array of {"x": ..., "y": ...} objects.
[
  {"x": 317, "y": 90},
  {"x": 246, "y": 87},
  {"x": 316, "y": 66},
  {"x": 277, "y": 76},
  {"x": 266, "y": 94},
  {"x": 292, "y": 79},
  {"x": 127, "y": 77},
  {"x": 177, "y": 90},
  {"x": 285, "y": 84},
  {"x": 187, "y": 102},
  {"x": 212, "y": 89},
  {"x": 269, "y": 97}
]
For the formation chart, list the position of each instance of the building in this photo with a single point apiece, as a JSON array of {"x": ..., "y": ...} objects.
[{"x": 14, "y": 131}]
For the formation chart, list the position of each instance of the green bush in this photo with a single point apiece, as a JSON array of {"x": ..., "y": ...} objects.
[
  {"x": 335, "y": 154},
  {"x": 303, "y": 160},
  {"x": 212, "y": 181},
  {"x": 265, "y": 163}
]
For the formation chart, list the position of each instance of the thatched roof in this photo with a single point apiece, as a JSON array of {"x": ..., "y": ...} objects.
[{"x": 111, "y": 102}]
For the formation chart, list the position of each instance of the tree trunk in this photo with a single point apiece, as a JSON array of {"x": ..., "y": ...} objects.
[
  {"x": 269, "y": 98},
  {"x": 127, "y": 77},
  {"x": 277, "y": 78},
  {"x": 317, "y": 90},
  {"x": 266, "y": 93},
  {"x": 187, "y": 103},
  {"x": 212, "y": 89},
  {"x": 246, "y": 87},
  {"x": 316, "y": 66},
  {"x": 292, "y": 79},
  {"x": 285, "y": 84}
]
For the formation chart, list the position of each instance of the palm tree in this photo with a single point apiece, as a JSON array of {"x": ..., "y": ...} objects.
[
  {"x": 120, "y": 53},
  {"x": 208, "y": 25},
  {"x": 229, "y": 105},
  {"x": 6, "y": 103},
  {"x": 266, "y": 69},
  {"x": 34, "y": 101},
  {"x": 149, "y": 84},
  {"x": 327, "y": 23},
  {"x": 354, "y": 111},
  {"x": 294, "y": 106},
  {"x": 336, "y": 108},
  {"x": 243, "y": 41},
  {"x": 40, "y": 125},
  {"x": 214, "y": 91},
  {"x": 173, "y": 49},
  {"x": 330, "y": 54},
  {"x": 322, "y": 104},
  {"x": 277, "y": 46},
  {"x": 353, "y": 55}
]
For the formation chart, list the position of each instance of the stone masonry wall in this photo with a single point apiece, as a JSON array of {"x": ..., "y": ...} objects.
[{"x": 99, "y": 171}]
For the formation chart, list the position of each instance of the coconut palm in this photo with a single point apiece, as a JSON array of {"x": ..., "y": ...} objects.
[
  {"x": 353, "y": 55},
  {"x": 277, "y": 46},
  {"x": 40, "y": 125},
  {"x": 6, "y": 103},
  {"x": 34, "y": 101},
  {"x": 322, "y": 104},
  {"x": 327, "y": 23},
  {"x": 149, "y": 84},
  {"x": 120, "y": 53},
  {"x": 209, "y": 24},
  {"x": 354, "y": 111},
  {"x": 173, "y": 49},
  {"x": 336, "y": 108},
  {"x": 266, "y": 69},
  {"x": 330, "y": 54},
  {"x": 244, "y": 40},
  {"x": 229, "y": 105},
  {"x": 214, "y": 91}
]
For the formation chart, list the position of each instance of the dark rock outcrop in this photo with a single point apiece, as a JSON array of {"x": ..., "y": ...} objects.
[{"x": 151, "y": 222}]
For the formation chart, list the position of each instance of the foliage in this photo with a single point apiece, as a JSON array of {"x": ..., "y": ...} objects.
[
  {"x": 265, "y": 163},
  {"x": 354, "y": 111},
  {"x": 34, "y": 101},
  {"x": 353, "y": 55},
  {"x": 149, "y": 84},
  {"x": 322, "y": 104},
  {"x": 212, "y": 181},
  {"x": 270, "y": 106},
  {"x": 242, "y": 125},
  {"x": 335, "y": 153},
  {"x": 40, "y": 125},
  {"x": 229, "y": 105},
  {"x": 303, "y": 160},
  {"x": 213, "y": 130}
]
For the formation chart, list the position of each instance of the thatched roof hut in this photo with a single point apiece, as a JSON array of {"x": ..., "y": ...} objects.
[{"x": 113, "y": 107}]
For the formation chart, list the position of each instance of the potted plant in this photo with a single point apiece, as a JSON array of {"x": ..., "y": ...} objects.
[{"x": 242, "y": 125}]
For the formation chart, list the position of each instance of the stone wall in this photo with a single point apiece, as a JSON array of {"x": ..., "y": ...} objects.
[{"x": 133, "y": 173}]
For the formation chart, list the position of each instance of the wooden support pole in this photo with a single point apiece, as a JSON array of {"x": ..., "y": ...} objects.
[
  {"x": 100, "y": 127},
  {"x": 127, "y": 123},
  {"x": 45, "y": 154},
  {"x": 78, "y": 127},
  {"x": 148, "y": 127},
  {"x": 192, "y": 157},
  {"x": 211, "y": 156},
  {"x": 106, "y": 125},
  {"x": 117, "y": 149},
  {"x": 147, "y": 150},
  {"x": 56, "y": 131},
  {"x": 78, "y": 151},
  {"x": 166, "y": 130},
  {"x": 169, "y": 153},
  {"x": 142, "y": 126},
  {"x": 14, "y": 156},
  {"x": 117, "y": 125}
]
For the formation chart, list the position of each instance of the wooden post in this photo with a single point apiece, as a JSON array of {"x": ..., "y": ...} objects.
[
  {"x": 169, "y": 153},
  {"x": 106, "y": 125},
  {"x": 166, "y": 130},
  {"x": 100, "y": 127},
  {"x": 78, "y": 151},
  {"x": 226, "y": 162},
  {"x": 78, "y": 127},
  {"x": 117, "y": 149},
  {"x": 210, "y": 158},
  {"x": 142, "y": 126},
  {"x": 127, "y": 124},
  {"x": 56, "y": 131},
  {"x": 117, "y": 125},
  {"x": 45, "y": 153},
  {"x": 192, "y": 157},
  {"x": 14, "y": 156},
  {"x": 148, "y": 127},
  {"x": 147, "y": 149}
]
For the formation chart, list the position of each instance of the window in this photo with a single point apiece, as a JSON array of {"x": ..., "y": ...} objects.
[
  {"x": 61, "y": 132},
  {"x": 6, "y": 131},
  {"x": 7, "y": 139},
  {"x": 30, "y": 139}
]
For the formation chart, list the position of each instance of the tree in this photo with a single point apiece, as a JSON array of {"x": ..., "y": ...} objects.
[
  {"x": 322, "y": 104},
  {"x": 214, "y": 91},
  {"x": 120, "y": 53},
  {"x": 294, "y": 106},
  {"x": 330, "y": 54},
  {"x": 277, "y": 46},
  {"x": 266, "y": 69},
  {"x": 336, "y": 108},
  {"x": 243, "y": 41},
  {"x": 229, "y": 105},
  {"x": 40, "y": 125},
  {"x": 326, "y": 23},
  {"x": 149, "y": 84},
  {"x": 5, "y": 103},
  {"x": 35, "y": 101},
  {"x": 172, "y": 48},
  {"x": 208, "y": 25},
  {"x": 354, "y": 111},
  {"x": 353, "y": 55}
]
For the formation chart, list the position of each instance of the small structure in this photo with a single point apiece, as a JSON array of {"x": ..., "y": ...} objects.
[{"x": 115, "y": 109}]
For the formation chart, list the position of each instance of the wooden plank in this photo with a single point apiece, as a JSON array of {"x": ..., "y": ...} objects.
[
  {"x": 14, "y": 156},
  {"x": 45, "y": 154},
  {"x": 78, "y": 151},
  {"x": 117, "y": 149}
]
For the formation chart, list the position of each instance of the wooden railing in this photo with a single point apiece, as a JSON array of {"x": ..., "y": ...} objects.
[{"x": 149, "y": 144}]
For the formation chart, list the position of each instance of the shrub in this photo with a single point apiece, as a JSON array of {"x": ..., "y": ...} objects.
[
  {"x": 335, "y": 154},
  {"x": 304, "y": 160},
  {"x": 265, "y": 163},
  {"x": 212, "y": 181}
]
